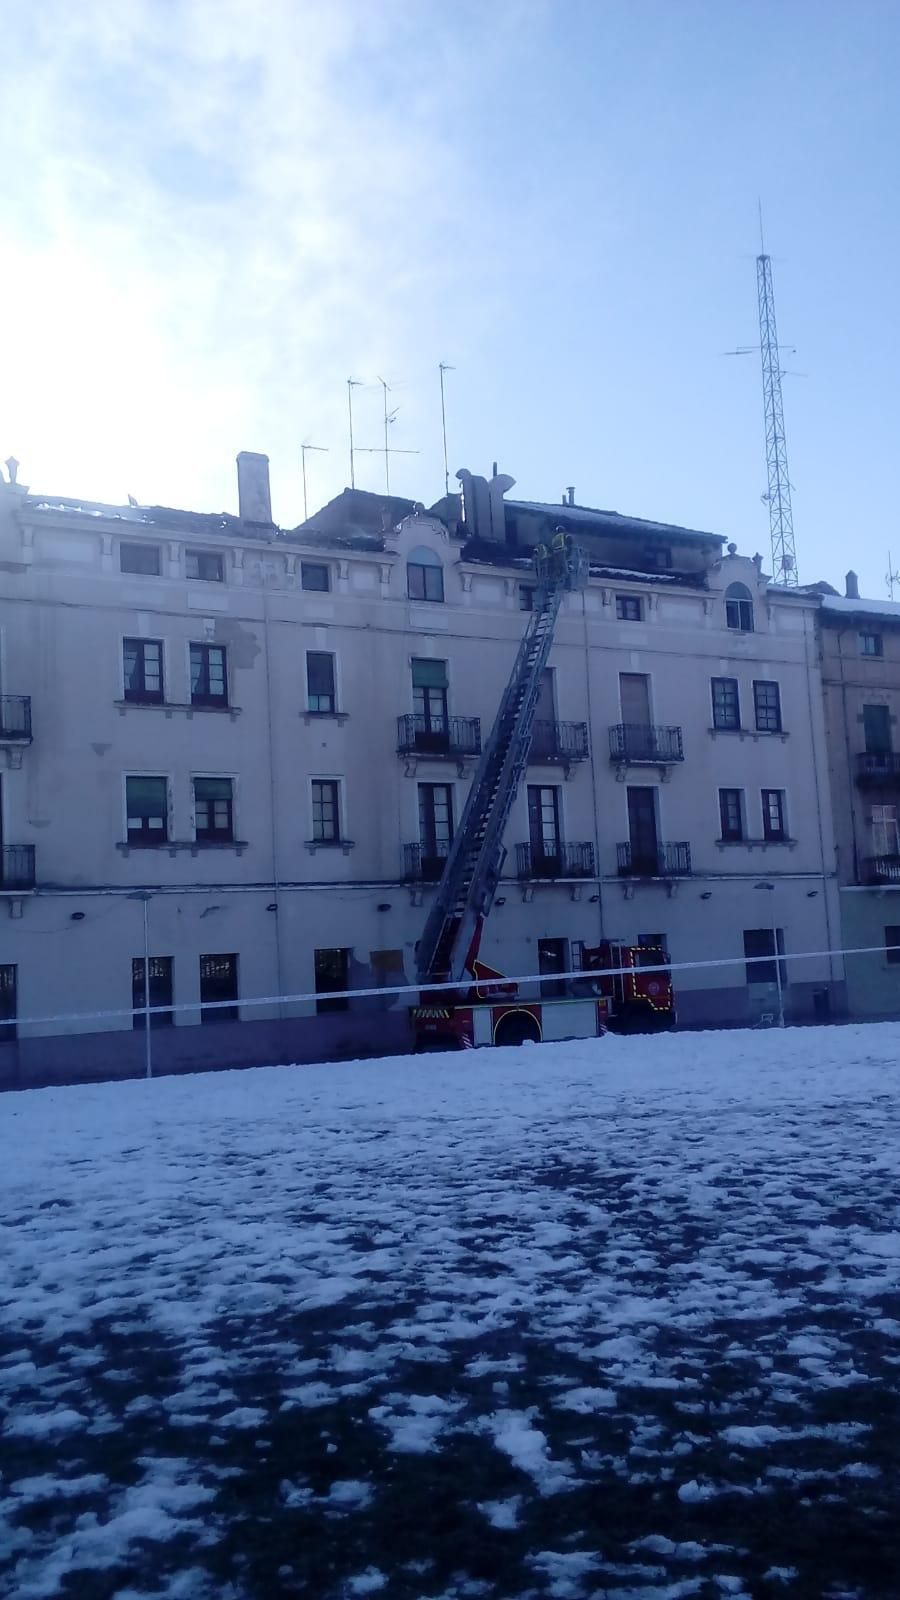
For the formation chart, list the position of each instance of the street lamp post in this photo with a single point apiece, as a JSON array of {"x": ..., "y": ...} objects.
[
  {"x": 144, "y": 896},
  {"x": 771, "y": 888}
]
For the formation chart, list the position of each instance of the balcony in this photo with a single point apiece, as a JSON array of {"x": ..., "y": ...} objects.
[
  {"x": 666, "y": 861},
  {"x": 454, "y": 739},
  {"x": 565, "y": 861},
  {"x": 881, "y": 869},
  {"x": 559, "y": 743},
  {"x": 16, "y": 868},
  {"x": 641, "y": 744},
  {"x": 877, "y": 767},
  {"x": 15, "y": 726},
  {"x": 422, "y": 864}
]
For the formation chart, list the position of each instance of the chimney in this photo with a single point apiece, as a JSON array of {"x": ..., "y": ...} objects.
[
  {"x": 254, "y": 496},
  {"x": 571, "y": 494},
  {"x": 851, "y": 586}
]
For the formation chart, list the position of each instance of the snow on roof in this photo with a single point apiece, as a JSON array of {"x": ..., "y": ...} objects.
[
  {"x": 889, "y": 609},
  {"x": 613, "y": 521}
]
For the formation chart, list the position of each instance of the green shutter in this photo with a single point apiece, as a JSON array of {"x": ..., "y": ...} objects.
[
  {"x": 212, "y": 788},
  {"x": 146, "y": 797},
  {"x": 429, "y": 674}
]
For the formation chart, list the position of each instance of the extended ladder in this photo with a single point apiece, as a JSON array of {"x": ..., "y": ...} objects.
[{"x": 469, "y": 882}]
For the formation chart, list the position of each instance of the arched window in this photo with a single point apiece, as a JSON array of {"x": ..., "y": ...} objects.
[
  {"x": 739, "y": 608},
  {"x": 424, "y": 575}
]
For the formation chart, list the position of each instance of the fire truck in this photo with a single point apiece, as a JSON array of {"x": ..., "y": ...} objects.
[{"x": 617, "y": 986}]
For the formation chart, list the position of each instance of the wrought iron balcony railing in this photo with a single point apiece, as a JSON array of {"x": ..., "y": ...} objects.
[
  {"x": 875, "y": 767},
  {"x": 559, "y": 742},
  {"x": 560, "y": 861},
  {"x": 15, "y": 718},
  {"x": 17, "y": 866},
  {"x": 451, "y": 737},
  {"x": 881, "y": 869},
  {"x": 424, "y": 863},
  {"x": 637, "y": 742},
  {"x": 665, "y": 861}
]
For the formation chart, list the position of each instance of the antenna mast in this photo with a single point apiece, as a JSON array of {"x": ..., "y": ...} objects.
[
  {"x": 387, "y": 449},
  {"x": 778, "y": 497},
  {"x": 352, "y": 383},
  {"x": 442, "y": 368}
]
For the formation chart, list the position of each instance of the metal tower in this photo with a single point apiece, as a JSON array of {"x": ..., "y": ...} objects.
[{"x": 781, "y": 519}]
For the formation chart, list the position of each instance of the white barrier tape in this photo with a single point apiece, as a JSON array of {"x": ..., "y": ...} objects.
[{"x": 437, "y": 988}]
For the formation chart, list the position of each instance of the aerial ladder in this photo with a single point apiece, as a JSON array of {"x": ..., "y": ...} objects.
[{"x": 452, "y": 935}]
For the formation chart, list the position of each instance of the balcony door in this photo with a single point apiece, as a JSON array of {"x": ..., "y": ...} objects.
[
  {"x": 543, "y": 827},
  {"x": 435, "y": 827},
  {"x": 885, "y": 833},
  {"x": 877, "y": 730},
  {"x": 642, "y": 832},
  {"x": 429, "y": 685},
  {"x": 634, "y": 696}
]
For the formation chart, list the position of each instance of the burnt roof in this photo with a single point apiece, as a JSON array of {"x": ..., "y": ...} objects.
[{"x": 585, "y": 518}]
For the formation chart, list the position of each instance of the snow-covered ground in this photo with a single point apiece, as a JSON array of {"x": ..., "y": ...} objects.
[{"x": 618, "y": 1318}]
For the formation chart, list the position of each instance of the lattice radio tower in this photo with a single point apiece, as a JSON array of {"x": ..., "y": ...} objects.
[{"x": 778, "y": 497}]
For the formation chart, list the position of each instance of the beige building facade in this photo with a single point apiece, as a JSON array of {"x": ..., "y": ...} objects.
[
  {"x": 255, "y": 744},
  {"x": 860, "y": 643}
]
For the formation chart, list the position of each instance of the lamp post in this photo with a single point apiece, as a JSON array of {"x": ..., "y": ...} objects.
[
  {"x": 774, "y": 919},
  {"x": 145, "y": 897}
]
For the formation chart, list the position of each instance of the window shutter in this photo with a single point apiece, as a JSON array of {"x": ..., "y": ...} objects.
[{"x": 429, "y": 674}]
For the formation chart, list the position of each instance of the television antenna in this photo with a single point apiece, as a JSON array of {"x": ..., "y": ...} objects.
[
  {"x": 443, "y": 367},
  {"x": 387, "y": 449}
]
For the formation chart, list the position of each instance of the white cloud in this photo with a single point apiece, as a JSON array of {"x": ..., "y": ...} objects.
[{"x": 216, "y": 212}]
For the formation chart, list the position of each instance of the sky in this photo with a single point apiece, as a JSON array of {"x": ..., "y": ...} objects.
[{"x": 214, "y": 212}]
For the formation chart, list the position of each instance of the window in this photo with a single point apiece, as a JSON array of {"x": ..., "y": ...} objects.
[
  {"x": 8, "y": 1003},
  {"x": 891, "y": 945},
  {"x": 332, "y": 969},
  {"x": 767, "y": 706},
  {"x": 326, "y": 811},
  {"x": 871, "y": 644},
  {"x": 629, "y": 607},
  {"x": 160, "y": 991},
  {"x": 143, "y": 672},
  {"x": 759, "y": 943},
  {"x": 213, "y": 810},
  {"x": 543, "y": 825},
  {"x": 429, "y": 684},
  {"x": 773, "y": 814},
  {"x": 435, "y": 827},
  {"x": 218, "y": 983},
  {"x": 207, "y": 565},
  {"x": 731, "y": 813},
  {"x": 147, "y": 810},
  {"x": 553, "y": 957},
  {"x": 877, "y": 729},
  {"x": 885, "y": 837},
  {"x": 209, "y": 680},
  {"x": 725, "y": 702},
  {"x": 316, "y": 576},
  {"x": 526, "y": 597},
  {"x": 739, "y": 608},
  {"x": 320, "y": 695},
  {"x": 424, "y": 576},
  {"x": 658, "y": 557},
  {"x": 141, "y": 558}
]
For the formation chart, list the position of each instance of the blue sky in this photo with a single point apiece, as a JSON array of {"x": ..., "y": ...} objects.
[{"x": 213, "y": 212}]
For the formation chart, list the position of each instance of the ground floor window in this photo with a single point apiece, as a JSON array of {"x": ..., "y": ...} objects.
[
  {"x": 160, "y": 991},
  {"x": 553, "y": 957},
  {"x": 218, "y": 982},
  {"x": 8, "y": 1003},
  {"x": 892, "y": 943},
  {"x": 332, "y": 968},
  {"x": 760, "y": 942}
]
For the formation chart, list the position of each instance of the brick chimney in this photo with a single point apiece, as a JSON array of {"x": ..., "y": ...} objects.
[
  {"x": 851, "y": 586},
  {"x": 254, "y": 495}
]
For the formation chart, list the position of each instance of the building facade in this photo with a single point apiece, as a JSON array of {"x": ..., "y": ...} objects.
[
  {"x": 250, "y": 746},
  {"x": 860, "y": 644}
]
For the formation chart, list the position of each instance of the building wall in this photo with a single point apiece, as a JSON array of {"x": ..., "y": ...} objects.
[
  {"x": 851, "y": 681},
  {"x": 273, "y": 898}
]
